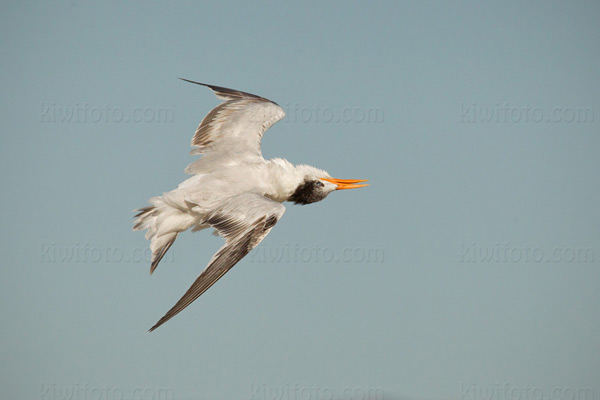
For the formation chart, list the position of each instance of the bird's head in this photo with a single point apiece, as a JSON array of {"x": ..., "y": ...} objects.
[{"x": 315, "y": 184}]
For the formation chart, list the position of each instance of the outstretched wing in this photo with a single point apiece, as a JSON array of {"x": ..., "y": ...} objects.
[
  {"x": 243, "y": 220},
  {"x": 235, "y": 127}
]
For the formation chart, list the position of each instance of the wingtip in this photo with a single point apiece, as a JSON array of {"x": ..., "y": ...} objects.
[
  {"x": 225, "y": 93},
  {"x": 156, "y": 325},
  {"x": 190, "y": 81}
]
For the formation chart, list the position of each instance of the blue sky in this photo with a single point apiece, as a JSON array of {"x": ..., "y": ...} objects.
[{"x": 469, "y": 269}]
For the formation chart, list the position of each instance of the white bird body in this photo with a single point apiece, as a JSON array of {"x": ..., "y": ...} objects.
[{"x": 233, "y": 188}]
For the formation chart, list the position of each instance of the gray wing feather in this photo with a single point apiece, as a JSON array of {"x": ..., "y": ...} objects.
[
  {"x": 234, "y": 128},
  {"x": 244, "y": 221}
]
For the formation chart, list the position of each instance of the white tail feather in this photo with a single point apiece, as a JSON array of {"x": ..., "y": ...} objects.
[{"x": 163, "y": 221}]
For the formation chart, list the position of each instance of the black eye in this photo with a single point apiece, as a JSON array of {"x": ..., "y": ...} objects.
[{"x": 319, "y": 184}]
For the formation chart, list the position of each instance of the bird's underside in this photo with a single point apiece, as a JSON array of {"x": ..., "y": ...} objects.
[{"x": 233, "y": 189}]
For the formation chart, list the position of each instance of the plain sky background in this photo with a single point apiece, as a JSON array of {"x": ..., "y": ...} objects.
[{"x": 487, "y": 146}]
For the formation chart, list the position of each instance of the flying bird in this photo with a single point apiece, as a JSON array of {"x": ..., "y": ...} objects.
[{"x": 233, "y": 189}]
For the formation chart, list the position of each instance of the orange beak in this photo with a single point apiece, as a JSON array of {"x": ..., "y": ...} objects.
[{"x": 346, "y": 183}]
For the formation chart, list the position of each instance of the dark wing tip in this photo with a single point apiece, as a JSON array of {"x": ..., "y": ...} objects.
[
  {"x": 223, "y": 91},
  {"x": 159, "y": 323},
  {"x": 197, "y": 83}
]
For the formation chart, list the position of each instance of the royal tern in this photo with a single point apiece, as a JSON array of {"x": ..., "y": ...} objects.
[{"x": 233, "y": 188}]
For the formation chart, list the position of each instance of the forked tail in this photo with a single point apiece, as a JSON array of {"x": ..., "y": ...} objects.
[{"x": 163, "y": 222}]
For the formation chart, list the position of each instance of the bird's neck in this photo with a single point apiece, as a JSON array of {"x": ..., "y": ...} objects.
[{"x": 284, "y": 178}]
